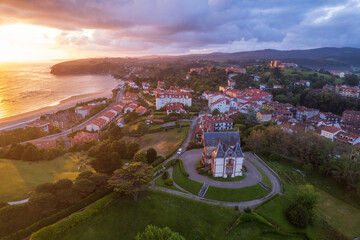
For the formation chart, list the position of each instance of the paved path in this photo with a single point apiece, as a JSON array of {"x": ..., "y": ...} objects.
[
  {"x": 275, "y": 181},
  {"x": 191, "y": 159}
]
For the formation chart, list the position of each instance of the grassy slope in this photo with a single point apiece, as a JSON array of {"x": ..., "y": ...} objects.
[
  {"x": 185, "y": 182},
  {"x": 17, "y": 178},
  {"x": 192, "y": 219},
  {"x": 161, "y": 182},
  {"x": 341, "y": 215},
  {"x": 236, "y": 194},
  {"x": 264, "y": 178},
  {"x": 123, "y": 220},
  {"x": 164, "y": 142}
]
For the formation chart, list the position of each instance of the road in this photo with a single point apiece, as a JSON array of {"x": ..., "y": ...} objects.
[
  {"x": 275, "y": 181},
  {"x": 191, "y": 159},
  {"x": 253, "y": 179}
]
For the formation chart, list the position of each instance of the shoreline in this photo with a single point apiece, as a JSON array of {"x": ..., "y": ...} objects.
[{"x": 17, "y": 121}]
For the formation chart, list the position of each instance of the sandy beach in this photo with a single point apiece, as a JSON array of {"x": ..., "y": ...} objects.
[{"x": 21, "y": 119}]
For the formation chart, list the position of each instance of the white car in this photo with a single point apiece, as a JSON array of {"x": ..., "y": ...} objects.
[{"x": 179, "y": 151}]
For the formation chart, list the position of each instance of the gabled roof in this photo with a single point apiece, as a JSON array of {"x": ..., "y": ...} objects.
[
  {"x": 219, "y": 151},
  {"x": 227, "y": 138}
]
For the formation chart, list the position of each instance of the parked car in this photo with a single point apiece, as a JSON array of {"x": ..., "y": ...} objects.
[{"x": 179, "y": 151}]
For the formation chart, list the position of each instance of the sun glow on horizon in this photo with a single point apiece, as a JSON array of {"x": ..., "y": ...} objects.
[{"x": 28, "y": 43}]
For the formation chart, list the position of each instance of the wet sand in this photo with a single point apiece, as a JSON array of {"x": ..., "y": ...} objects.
[{"x": 21, "y": 119}]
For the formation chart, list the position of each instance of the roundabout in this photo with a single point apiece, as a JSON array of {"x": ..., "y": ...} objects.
[
  {"x": 191, "y": 159},
  {"x": 248, "y": 192}
]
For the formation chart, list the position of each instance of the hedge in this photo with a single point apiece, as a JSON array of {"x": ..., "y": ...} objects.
[
  {"x": 170, "y": 163},
  {"x": 182, "y": 170},
  {"x": 26, "y": 232},
  {"x": 56, "y": 230},
  {"x": 158, "y": 161}
]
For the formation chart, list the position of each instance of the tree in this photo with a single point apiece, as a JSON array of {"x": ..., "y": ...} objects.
[
  {"x": 84, "y": 187},
  {"x": 276, "y": 72},
  {"x": 31, "y": 153},
  {"x": 132, "y": 148},
  {"x": 298, "y": 215},
  {"x": 351, "y": 80},
  {"x": 140, "y": 156},
  {"x": 132, "y": 179},
  {"x": 151, "y": 155},
  {"x": 215, "y": 112},
  {"x": 155, "y": 233},
  {"x": 307, "y": 196},
  {"x": 63, "y": 184},
  {"x": 114, "y": 131},
  {"x": 42, "y": 203},
  {"x": 256, "y": 141},
  {"x": 16, "y": 151}
]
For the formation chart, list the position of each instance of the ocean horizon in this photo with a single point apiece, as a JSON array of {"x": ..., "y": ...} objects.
[{"x": 26, "y": 87}]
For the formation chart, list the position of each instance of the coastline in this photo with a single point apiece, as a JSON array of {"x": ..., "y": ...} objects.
[{"x": 20, "y": 120}]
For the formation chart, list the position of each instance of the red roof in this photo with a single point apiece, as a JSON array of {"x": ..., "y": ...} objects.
[
  {"x": 37, "y": 123},
  {"x": 331, "y": 129},
  {"x": 98, "y": 122},
  {"x": 44, "y": 143}
]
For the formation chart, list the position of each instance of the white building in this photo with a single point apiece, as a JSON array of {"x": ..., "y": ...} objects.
[
  {"x": 223, "y": 105},
  {"x": 223, "y": 154},
  {"x": 330, "y": 132},
  {"x": 164, "y": 97},
  {"x": 84, "y": 110}
]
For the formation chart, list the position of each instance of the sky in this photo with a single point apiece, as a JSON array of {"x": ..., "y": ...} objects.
[{"x": 65, "y": 29}]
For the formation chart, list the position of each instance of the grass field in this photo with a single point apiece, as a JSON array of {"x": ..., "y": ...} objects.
[
  {"x": 123, "y": 220},
  {"x": 194, "y": 220},
  {"x": 185, "y": 182},
  {"x": 341, "y": 212},
  {"x": 161, "y": 182},
  {"x": 264, "y": 178},
  {"x": 18, "y": 178},
  {"x": 236, "y": 194},
  {"x": 164, "y": 142}
]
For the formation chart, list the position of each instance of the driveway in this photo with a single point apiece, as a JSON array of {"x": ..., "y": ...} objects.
[{"x": 191, "y": 159}]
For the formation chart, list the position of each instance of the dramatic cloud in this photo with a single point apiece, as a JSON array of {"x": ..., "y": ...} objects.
[{"x": 114, "y": 27}]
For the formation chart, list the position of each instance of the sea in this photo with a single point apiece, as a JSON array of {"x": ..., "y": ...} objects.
[{"x": 25, "y": 87}]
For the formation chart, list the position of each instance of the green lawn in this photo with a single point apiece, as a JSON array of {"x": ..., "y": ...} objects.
[
  {"x": 339, "y": 210},
  {"x": 221, "y": 179},
  {"x": 194, "y": 220},
  {"x": 161, "y": 183},
  {"x": 164, "y": 142},
  {"x": 339, "y": 214},
  {"x": 124, "y": 219},
  {"x": 185, "y": 182},
  {"x": 264, "y": 178},
  {"x": 236, "y": 194},
  {"x": 274, "y": 212},
  {"x": 18, "y": 178}
]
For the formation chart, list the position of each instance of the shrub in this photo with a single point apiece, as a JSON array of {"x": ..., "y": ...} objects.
[
  {"x": 248, "y": 210},
  {"x": 169, "y": 182},
  {"x": 170, "y": 163},
  {"x": 165, "y": 175},
  {"x": 56, "y": 230},
  {"x": 236, "y": 208},
  {"x": 298, "y": 215},
  {"x": 158, "y": 161},
  {"x": 182, "y": 170}
]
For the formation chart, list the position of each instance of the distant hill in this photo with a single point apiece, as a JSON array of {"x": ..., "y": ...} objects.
[{"x": 328, "y": 58}]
